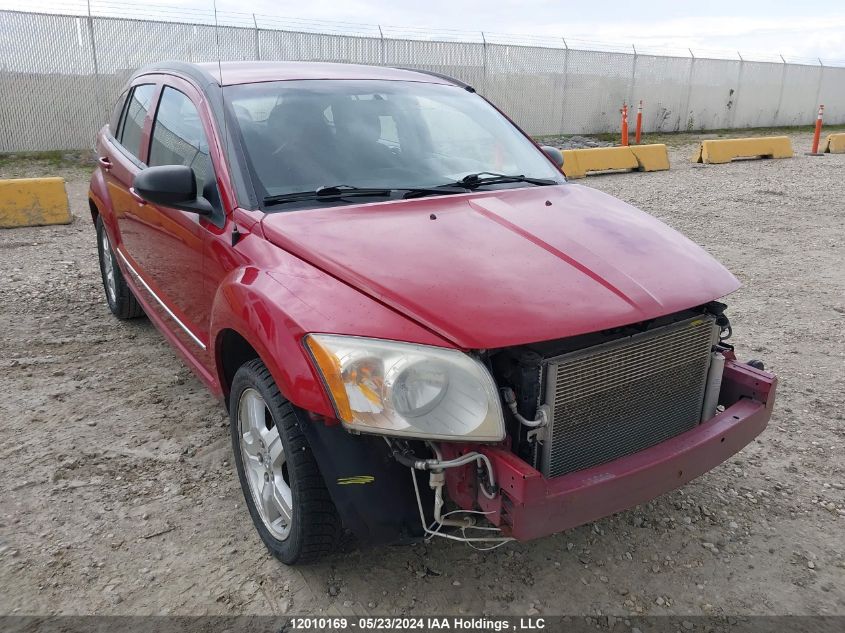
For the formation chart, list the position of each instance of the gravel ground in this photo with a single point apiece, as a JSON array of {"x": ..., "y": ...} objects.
[{"x": 119, "y": 495}]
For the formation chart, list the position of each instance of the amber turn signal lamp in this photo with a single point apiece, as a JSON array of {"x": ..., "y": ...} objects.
[{"x": 329, "y": 367}]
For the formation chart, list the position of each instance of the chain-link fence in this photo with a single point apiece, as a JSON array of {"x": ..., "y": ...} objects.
[{"x": 59, "y": 75}]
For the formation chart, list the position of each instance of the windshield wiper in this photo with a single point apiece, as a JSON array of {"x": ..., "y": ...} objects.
[
  {"x": 439, "y": 190},
  {"x": 325, "y": 193},
  {"x": 343, "y": 191},
  {"x": 472, "y": 181}
]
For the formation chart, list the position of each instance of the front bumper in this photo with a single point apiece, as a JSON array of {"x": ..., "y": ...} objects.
[{"x": 531, "y": 506}]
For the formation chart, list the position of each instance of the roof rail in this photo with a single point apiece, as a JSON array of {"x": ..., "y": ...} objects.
[{"x": 452, "y": 80}]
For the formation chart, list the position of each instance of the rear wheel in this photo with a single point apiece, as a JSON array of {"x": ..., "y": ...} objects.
[
  {"x": 284, "y": 490},
  {"x": 122, "y": 302}
]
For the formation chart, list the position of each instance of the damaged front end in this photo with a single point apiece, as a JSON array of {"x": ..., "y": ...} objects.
[{"x": 597, "y": 424}]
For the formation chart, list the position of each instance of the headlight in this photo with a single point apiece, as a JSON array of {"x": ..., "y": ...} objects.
[{"x": 408, "y": 390}]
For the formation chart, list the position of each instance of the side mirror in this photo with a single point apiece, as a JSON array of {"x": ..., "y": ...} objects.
[
  {"x": 555, "y": 154},
  {"x": 172, "y": 186}
]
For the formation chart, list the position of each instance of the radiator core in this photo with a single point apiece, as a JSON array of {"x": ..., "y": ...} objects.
[{"x": 621, "y": 397}]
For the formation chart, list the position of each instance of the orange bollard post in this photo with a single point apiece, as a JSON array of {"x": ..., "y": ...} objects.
[
  {"x": 624, "y": 124},
  {"x": 817, "y": 134},
  {"x": 639, "y": 133}
]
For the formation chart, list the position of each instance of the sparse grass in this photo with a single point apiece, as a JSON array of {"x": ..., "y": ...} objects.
[{"x": 54, "y": 158}]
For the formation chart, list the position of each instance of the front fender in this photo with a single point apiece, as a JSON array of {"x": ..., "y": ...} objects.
[
  {"x": 273, "y": 299},
  {"x": 249, "y": 302},
  {"x": 273, "y": 317}
]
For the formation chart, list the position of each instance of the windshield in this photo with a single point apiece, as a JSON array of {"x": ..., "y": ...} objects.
[{"x": 300, "y": 136}]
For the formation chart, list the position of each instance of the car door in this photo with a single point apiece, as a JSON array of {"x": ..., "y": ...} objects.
[
  {"x": 120, "y": 156},
  {"x": 169, "y": 243}
]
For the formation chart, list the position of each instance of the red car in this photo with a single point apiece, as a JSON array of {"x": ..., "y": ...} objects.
[{"x": 418, "y": 327}]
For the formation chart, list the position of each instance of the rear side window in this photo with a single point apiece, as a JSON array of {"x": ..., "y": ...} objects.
[
  {"x": 178, "y": 138},
  {"x": 132, "y": 123}
]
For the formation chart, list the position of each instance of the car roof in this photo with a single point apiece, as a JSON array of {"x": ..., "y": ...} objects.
[{"x": 246, "y": 72}]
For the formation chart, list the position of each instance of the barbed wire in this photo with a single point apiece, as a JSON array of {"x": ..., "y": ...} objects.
[{"x": 193, "y": 15}]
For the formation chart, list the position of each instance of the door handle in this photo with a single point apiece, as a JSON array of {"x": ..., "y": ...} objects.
[
  {"x": 137, "y": 196},
  {"x": 105, "y": 163}
]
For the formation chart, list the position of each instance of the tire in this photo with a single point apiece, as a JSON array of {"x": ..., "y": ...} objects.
[
  {"x": 119, "y": 297},
  {"x": 282, "y": 485}
]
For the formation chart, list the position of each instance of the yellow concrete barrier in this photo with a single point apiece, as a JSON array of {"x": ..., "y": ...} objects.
[
  {"x": 33, "y": 202},
  {"x": 578, "y": 162},
  {"x": 651, "y": 157},
  {"x": 834, "y": 144},
  {"x": 725, "y": 150}
]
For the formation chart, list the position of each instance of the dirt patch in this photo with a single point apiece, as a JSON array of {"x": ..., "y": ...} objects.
[{"x": 119, "y": 495}]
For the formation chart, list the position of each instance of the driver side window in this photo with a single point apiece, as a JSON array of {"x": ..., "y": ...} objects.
[{"x": 178, "y": 138}]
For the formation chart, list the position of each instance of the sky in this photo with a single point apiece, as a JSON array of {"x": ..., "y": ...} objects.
[{"x": 756, "y": 29}]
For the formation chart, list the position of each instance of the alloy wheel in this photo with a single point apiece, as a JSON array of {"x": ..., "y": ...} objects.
[
  {"x": 108, "y": 267},
  {"x": 264, "y": 464}
]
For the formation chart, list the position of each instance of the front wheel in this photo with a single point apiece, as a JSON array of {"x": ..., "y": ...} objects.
[
  {"x": 122, "y": 302},
  {"x": 284, "y": 490}
]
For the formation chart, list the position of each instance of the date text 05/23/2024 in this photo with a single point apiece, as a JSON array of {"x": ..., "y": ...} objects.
[{"x": 433, "y": 623}]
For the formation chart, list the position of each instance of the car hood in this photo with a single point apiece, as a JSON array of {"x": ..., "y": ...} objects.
[{"x": 506, "y": 267}]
